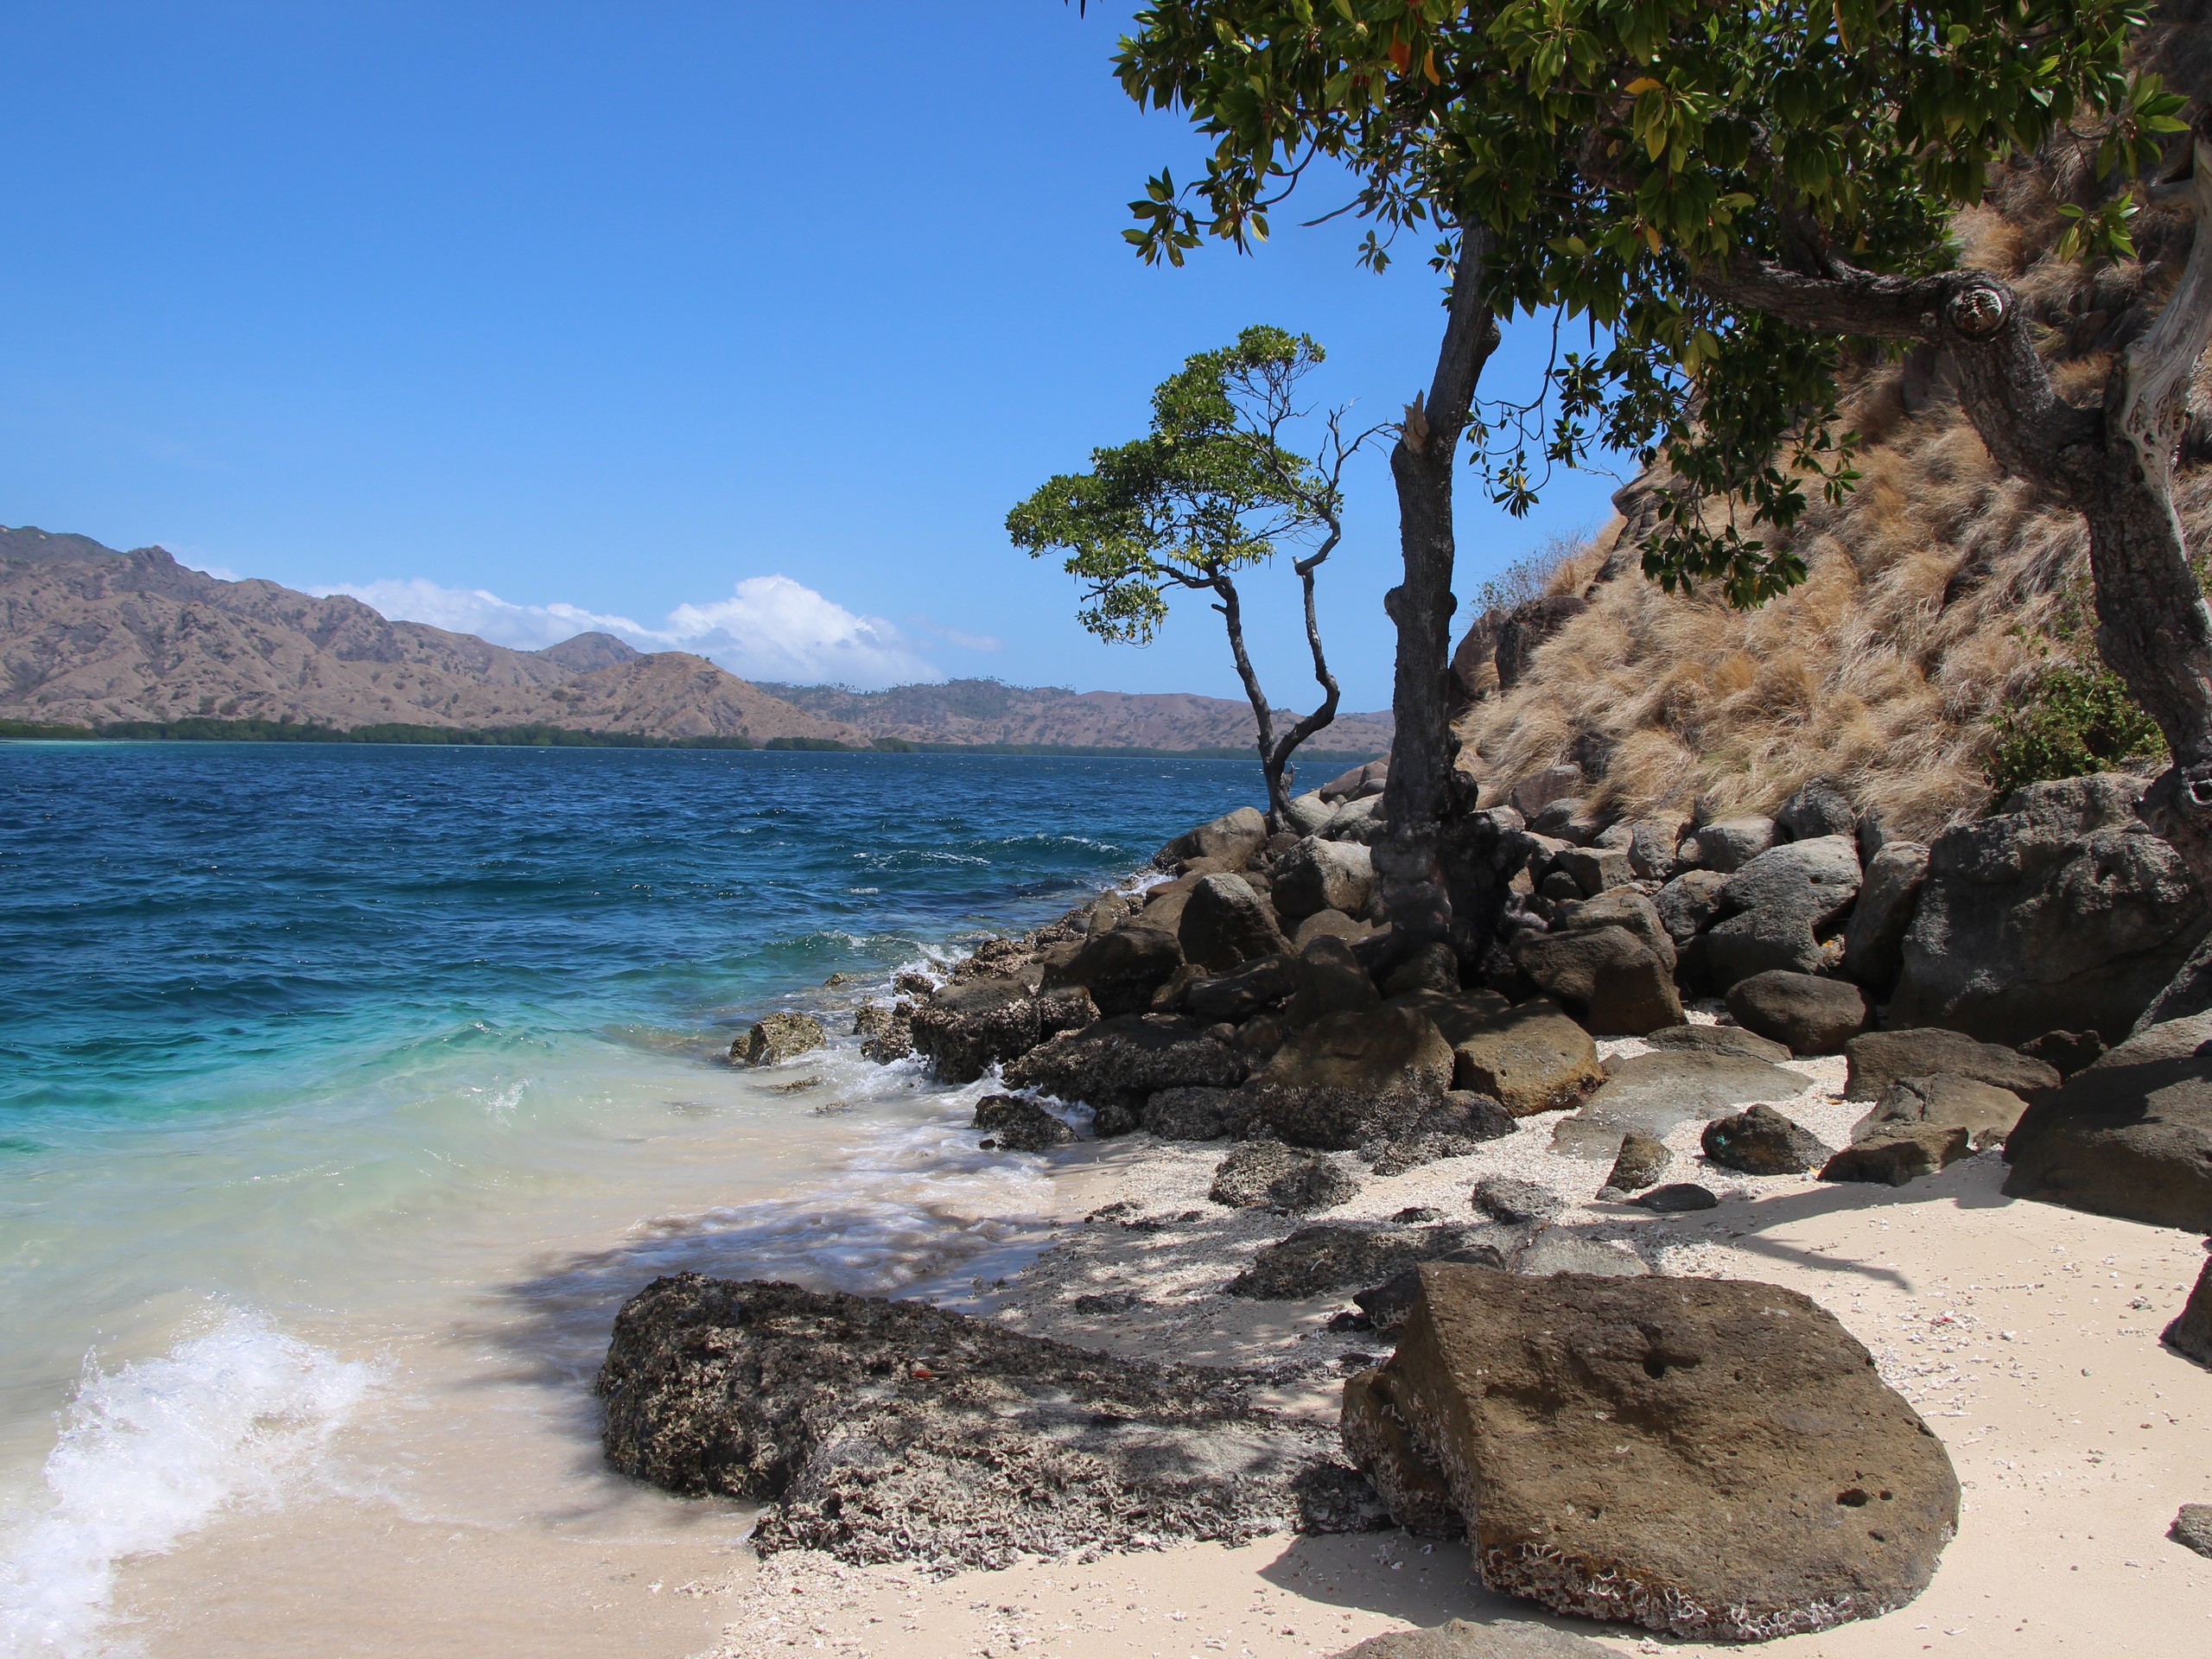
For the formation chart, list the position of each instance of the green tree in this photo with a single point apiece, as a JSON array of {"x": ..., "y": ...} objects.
[
  {"x": 1212, "y": 490},
  {"x": 1739, "y": 198}
]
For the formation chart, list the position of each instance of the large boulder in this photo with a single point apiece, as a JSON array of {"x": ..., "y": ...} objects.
[
  {"x": 1811, "y": 1015},
  {"x": 2064, "y": 912},
  {"x": 1873, "y": 942},
  {"x": 1597, "y": 869},
  {"x": 1330, "y": 979},
  {"x": 1117, "y": 1063},
  {"x": 1308, "y": 813},
  {"x": 1269, "y": 1175},
  {"x": 1381, "y": 1050},
  {"x": 1122, "y": 967},
  {"x": 1689, "y": 904},
  {"x": 1898, "y": 1154},
  {"x": 1359, "y": 820},
  {"x": 1318, "y": 875},
  {"x": 1780, "y": 909},
  {"x": 1729, "y": 844},
  {"x": 973, "y": 1024},
  {"x": 1361, "y": 780},
  {"x": 882, "y": 1430},
  {"x": 1406, "y": 1132},
  {"x": 1226, "y": 923},
  {"x": 1981, "y": 1111},
  {"x": 778, "y": 1036},
  {"x": 1651, "y": 1094},
  {"x": 1817, "y": 809},
  {"x": 2131, "y": 1136},
  {"x": 1330, "y": 923},
  {"x": 1762, "y": 1141},
  {"x": 1230, "y": 841},
  {"x": 1192, "y": 1114},
  {"x": 1880, "y": 1058},
  {"x": 1607, "y": 974},
  {"x": 1238, "y": 995},
  {"x": 1539, "y": 789},
  {"x": 1530, "y": 1058},
  {"x": 1622, "y": 906},
  {"x": 1458, "y": 1013},
  {"x": 1715, "y": 1459}
]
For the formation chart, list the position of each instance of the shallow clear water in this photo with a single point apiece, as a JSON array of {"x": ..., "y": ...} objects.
[{"x": 344, "y": 1091}]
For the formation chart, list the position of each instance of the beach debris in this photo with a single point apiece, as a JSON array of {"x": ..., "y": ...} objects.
[
  {"x": 1021, "y": 1125},
  {"x": 2191, "y": 1332},
  {"x": 777, "y": 1037},
  {"x": 1810, "y": 1013},
  {"x": 1642, "y": 1450},
  {"x": 1641, "y": 1162},
  {"x": 894, "y": 1430},
  {"x": 1762, "y": 1141},
  {"x": 1676, "y": 1198},
  {"x": 1502, "y": 1198}
]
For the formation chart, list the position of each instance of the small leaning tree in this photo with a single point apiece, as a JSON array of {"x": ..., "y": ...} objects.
[
  {"x": 1742, "y": 198},
  {"x": 1212, "y": 490}
]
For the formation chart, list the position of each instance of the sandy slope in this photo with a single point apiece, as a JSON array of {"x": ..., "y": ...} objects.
[{"x": 2026, "y": 1335}]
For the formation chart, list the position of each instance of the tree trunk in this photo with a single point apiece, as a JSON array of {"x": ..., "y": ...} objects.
[
  {"x": 1421, "y": 463},
  {"x": 1271, "y": 761}
]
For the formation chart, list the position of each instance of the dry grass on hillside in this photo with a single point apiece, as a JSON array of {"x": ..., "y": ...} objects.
[{"x": 1927, "y": 608}]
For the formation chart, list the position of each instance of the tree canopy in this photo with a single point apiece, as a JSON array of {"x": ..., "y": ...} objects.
[{"x": 1639, "y": 165}]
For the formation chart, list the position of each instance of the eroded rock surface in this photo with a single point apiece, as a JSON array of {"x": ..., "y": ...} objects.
[
  {"x": 1715, "y": 1458},
  {"x": 778, "y": 1036},
  {"x": 2131, "y": 1136},
  {"x": 1653, "y": 1093},
  {"x": 1881, "y": 1058},
  {"x": 883, "y": 1431}
]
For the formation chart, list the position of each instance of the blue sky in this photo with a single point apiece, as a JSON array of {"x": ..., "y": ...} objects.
[{"x": 741, "y": 324}]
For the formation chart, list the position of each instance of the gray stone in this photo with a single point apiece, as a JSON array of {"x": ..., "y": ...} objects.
[
  {"x": 1451, "y": 1127},
  {"x": 778, "y": 1037},
  {"x": 1230, "y": 841},
  {"x": 1502, "y": 1198},
  {"x": 1777, "y": 911},
  {"x": 1606, "y": 974},
  {"x": 1530, "y": 1058},
  {"x": 2128, "y": 1137},
  {"x": 2191, "y": 1332},
  {"x": 1687, "y": 904},
  {"x": 1308, "y": 813},
  {"x": 1718, "y": 1039},
  {"x": 2192, "y": 1528},
  {"x": 1732, "y": 844},
  {"x": 1019, "y": 1125},
  {"x": 1882, "y": 1058},
  {"x": 1762, "y": 1141},
  {"x": 2064, "y": 912},
  {"x": 1539, "y": 790},
  {"x": 1123, "y": 1061},
  {"x": 1679, "y": 1198},
  {"x": 1873, "y": 943},
  {"x": 1715, "y": 1458},
  {"x": 1624, "y": 907},
  {"x": 1122, "y": 969},
  {"x": 1269, "y": 1175},
  {"x": 1191, "y": 1114},
  {"x": 1317, "y": 874},
  {"x": 1561, "y": 1249},
  {"x": 1817, "y": 809},
  {"x": 1334, "y": 1255},
  {"x": 1652, "y": 1093},
  {"x": 1238, "y": 995},
  {"x": 1641, "y": 1162},
  {"x": 880, "y": 1431},
  {"x": 1898, "y": 1153},
  {"x": 1985, "y": 1112},
  {"x": 1650, "y": 848},
  {"x": 1811, "y": 1015},
  {"x": 1359, "y": 820},
  {"x": 1226, "y": 924}
]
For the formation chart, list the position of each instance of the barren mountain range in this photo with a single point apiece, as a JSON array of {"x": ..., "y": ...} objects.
[{"x": 89, "y": 636}]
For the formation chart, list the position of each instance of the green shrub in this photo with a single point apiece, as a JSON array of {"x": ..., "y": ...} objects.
[{"x": 2072, "y": 721}]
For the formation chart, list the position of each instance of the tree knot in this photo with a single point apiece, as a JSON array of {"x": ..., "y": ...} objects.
[{"x": 1978, "y": 310}]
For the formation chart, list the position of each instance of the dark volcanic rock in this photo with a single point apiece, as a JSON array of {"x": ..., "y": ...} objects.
[
  {"x": 1502, "y": 1197},
  {"x": 2064, "y": 911},
  {"x": 1229, "y": 840},
  {"x": 1329, "y": 980},
  {"x": 1613, "y": 978},
  {"x": 1394, "y": 1142},
  {"x": 1779, "y": 907},
  {"x": 1985, "y": 1112},
  {"x": 2067, "y": 1050},
  {"x": 1873, "y": 942},
  {"x": 1336, "y": 1255},
  {"x": 1267, "y": 1173},
  {"x": 973, "y": 1024},
  {"x": 1882, "y": 1058},
  {"x": 1678, "y": 1199},
  {"x": 2131, "y": 1137},
  {"x": 1191, "y": 1114},
  {"x": 1235, "y": 996},
  {"x": 1899, "y": 1154},
  {"x": 882, "y": 1430},
  {"x": 2191, "y": 1332},
  {"x": 1687, "y": 904},
  {"x": 1122, "y": 968},
  {"x": 1817, "y": 809},
  {"x": 1317, "y": 874},
  {"x": 778, "y": 1037},
  {"x": 1811, "y": 1015},
  {"x": 1021, "y": 1125},
  {"x": 1226, "y": 924},
  {"x": 1377, "y": 1052},
  {"x": 1762, "y": 1141},
  {"x": 1124, "y": 1060},
  {"x": 1641, "y": 1161},
  {"x": 1715, "y": 1458}
]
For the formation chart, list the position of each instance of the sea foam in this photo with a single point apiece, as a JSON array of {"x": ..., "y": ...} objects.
[{"x": 153, "y": 1450}]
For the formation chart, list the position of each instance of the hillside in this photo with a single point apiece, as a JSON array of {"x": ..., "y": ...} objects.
[
  {"x": 984, "y": 711},
  {"x": 88, "y": 634}
]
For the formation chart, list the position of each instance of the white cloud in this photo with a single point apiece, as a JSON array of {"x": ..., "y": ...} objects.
[{"x": 769, "y": 628}]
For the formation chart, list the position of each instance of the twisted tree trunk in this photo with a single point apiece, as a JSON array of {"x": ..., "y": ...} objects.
[{"x": 1421, "y": 461}]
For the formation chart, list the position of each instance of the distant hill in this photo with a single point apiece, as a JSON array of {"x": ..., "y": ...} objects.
[
  {"x": 977, "y": 712},
  {"x": 89, "y": 635}
]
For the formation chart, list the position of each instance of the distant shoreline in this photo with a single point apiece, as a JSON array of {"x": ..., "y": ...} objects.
[{"x": 208, "y": 729}]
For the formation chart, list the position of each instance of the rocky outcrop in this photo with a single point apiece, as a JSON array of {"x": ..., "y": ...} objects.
[
  {"x": 1873, "y": 943},
  {"x": 1334, "y": 1255},
  {"x": 1715, "y": 1458},
  {"x": 1809, "y": 1013},
  {"x": 1115, "y": 1066},
  {"x": 1225, "y": 923},
  {"x": 778, "y": 1036},
  {"x": 973, "y": 1024},
  {"x": 1122, "y": 969},
  {"x": 2063, "y": 911},
  {"x": 2131, "y": 1136},
  {"x": 883, "y": 1431},
  {"x": 1238, "y": 995},
  {"x": 1019, "y": 1125}
]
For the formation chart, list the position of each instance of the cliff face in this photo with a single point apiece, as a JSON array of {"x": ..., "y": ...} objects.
[
  {"x": 89, "y": 634},
  {"x": 984, "y": 711}
]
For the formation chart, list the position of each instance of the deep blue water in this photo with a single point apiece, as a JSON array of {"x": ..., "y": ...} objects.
[{"x": 200, "y": 927}]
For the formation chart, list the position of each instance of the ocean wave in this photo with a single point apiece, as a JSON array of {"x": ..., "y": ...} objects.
[{"x": 154, "y": 1450}]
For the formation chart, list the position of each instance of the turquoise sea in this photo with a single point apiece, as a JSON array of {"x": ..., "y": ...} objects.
[{"x": 345, "y": 1090}]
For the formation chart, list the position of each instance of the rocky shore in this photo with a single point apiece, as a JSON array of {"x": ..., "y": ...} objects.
[{"x": 1577, "y": 1259}]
